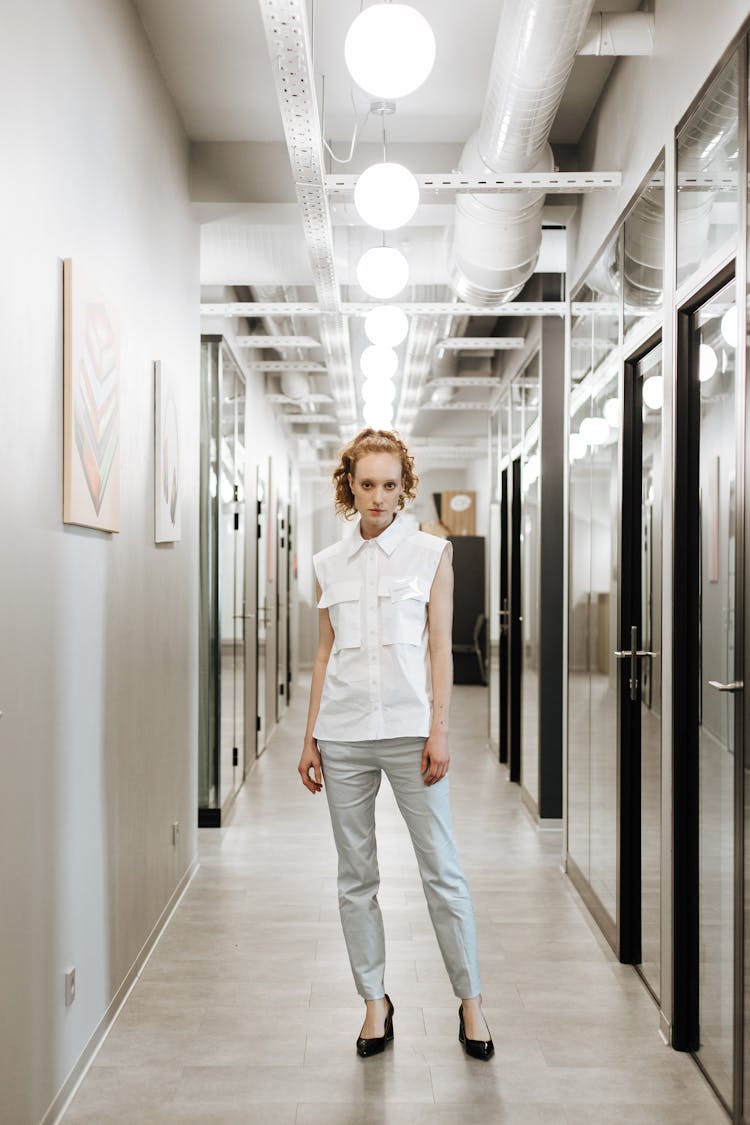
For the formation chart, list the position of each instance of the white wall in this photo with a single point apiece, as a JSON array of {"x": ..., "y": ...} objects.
[{"x": 98, "y": 661}]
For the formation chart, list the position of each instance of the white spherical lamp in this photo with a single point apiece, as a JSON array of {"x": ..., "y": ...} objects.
[
  {"x": 382, "y": 272},
  {"x": 389, "y": 50},
  {"x": 386, "y": 196},
  {"x": 611, "y": 413},
  {"x": 729, "y": 326},
  {"x": 577, "y": 447},
  {"x": 378, "y": 415},
  {"x": 387, "y": 326},
  {"x": 707, "y": 362},
  {"x": 378, "y": 391},
  {"x": 653, "y": 392},
  {"x": 378, "y": 363},
  {"x": 594, "y": 431}
]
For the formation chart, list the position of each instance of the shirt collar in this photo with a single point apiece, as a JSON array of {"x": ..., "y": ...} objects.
[{"x": 388, "y": 540}]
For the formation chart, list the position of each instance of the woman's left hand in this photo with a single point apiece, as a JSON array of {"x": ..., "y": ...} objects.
[{"x": 435, "y": 758}]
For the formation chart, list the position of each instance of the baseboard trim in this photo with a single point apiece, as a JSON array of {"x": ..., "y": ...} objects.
[{"x": 67, "y": 1091}]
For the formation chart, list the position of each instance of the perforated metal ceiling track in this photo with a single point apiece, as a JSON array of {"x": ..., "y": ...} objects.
[{"x": 288, "y": 42}]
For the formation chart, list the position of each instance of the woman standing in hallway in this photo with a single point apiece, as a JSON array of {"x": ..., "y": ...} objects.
[{"x": 379, "y": 700}]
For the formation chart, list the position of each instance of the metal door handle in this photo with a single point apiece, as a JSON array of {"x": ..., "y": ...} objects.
[
  {"x": 736, "y": 685},
  {"x": 632, "y": 654}
]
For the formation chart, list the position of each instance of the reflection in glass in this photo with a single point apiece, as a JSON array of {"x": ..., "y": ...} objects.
[
  {"x": 232, "y": 577},
  {"x": 221, "y": 707},
  {"x": 643, "y": 254},
  {"x": 716, "y": 731},
  {"x": 209, "y": 640},
  {"x": 603, "y": 461},
  {"x": 262, "y": 603},
  {"x": 530, "y": 471},
  {"x": 579, "y": 682},
  {"x": 650, "y": 640},
  {"x": 592, "y": 624},
  {"x": 707, "y": 161}
]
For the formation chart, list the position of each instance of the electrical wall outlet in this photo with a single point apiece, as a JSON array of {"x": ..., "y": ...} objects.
[
  {"x": 175, "y": 832},
  {"x": 70, "y": 987}
]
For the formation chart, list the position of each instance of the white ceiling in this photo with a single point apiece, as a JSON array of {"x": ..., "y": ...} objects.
[{"x": 214, "y": 60}]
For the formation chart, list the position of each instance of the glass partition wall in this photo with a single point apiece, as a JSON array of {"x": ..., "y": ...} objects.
[
  {"x": 658, "y": 812},
  {"x": 526, "y": 390},
  {"x": 592, "y": 591},
  {"x": 227, "y": 662}
]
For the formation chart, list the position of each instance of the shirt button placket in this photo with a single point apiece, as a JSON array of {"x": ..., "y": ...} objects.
[{"x": 371, "y": 603}]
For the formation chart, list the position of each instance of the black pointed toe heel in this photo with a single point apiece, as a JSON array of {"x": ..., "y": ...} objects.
[
  {"x": 367, "y": 1047},
  {"x": 477, "y": 1048}
]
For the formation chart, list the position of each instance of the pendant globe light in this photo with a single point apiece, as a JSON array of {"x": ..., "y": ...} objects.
[
  {"x": 653, "y": 392},
  {"x": 386, "y": 325},
  {"x": 379, "y": 391},
  {"x": 382, "y": 272},
  {"x": 594, "y": 431},
  {"x": 386, "y": 195},
  {"x": 389, "y": 50},
  {"x": 378, "y": 415},
  {"x": 378, "y": 363}
]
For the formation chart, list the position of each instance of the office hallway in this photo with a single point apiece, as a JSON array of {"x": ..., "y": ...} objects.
[{"x": 246, "y": 1011}]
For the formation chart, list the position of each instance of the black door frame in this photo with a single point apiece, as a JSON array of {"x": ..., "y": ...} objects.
[
  {"x": 503, "y": 648},
  {"x": 629, "y": 920},
  {"x": 515, "y": 625},
  {"x": 685, "y": 716}
]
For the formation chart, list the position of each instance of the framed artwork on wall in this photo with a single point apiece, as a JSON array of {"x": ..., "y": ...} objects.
[
  {"x": 91, "y": 404},
  {"x": 167, "y": 490}
]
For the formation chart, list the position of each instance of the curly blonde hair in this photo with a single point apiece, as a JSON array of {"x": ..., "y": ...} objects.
[{"x": 371, "y": 441}]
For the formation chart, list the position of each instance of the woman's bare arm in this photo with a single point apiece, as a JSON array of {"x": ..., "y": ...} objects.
[
  {"x": 436, "y": 756},
  {"x": 310, "y": 759}
]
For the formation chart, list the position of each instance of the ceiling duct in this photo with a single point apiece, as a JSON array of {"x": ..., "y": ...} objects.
[{"x": 497, "y": 236}]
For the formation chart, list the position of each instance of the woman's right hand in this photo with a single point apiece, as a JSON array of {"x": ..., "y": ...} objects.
[{"x": 310, "y": 760}]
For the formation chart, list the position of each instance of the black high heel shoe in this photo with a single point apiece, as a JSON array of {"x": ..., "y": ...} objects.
[
  {"x": 477, "y": 1048},
  {"x": 367, "y": 1047}
]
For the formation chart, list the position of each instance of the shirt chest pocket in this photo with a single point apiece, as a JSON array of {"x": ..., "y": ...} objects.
[
  {"x": 403, "y": 609},
  {"x": 342, "y": 600}
]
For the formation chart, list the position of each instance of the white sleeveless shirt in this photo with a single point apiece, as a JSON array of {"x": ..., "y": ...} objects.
[{"x": 376, "y": 591}]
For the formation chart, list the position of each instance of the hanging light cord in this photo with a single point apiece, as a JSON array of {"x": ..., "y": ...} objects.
[{"x": 358, "y": 126}]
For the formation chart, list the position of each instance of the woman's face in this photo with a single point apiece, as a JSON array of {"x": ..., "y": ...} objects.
[{"x": 377, "y": 487}]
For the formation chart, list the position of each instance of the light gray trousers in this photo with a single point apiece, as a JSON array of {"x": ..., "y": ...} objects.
[{"x": 352, "y": 773}]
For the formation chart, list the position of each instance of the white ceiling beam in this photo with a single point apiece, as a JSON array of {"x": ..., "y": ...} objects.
[
  {"x": 282, "y": 365},
  {"x": 276, "y": 342},
  {"x": 482, "y": 343},
  {"x": 437, "y": 183},
  {"x": 411, "y": 308},
  {"x": 288, "y": 41},
  {"x": 456, "y": 406},
  {"x": 464, "y": 381}
]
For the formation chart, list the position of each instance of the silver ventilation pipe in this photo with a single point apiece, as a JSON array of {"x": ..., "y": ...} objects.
[{"x": 497, "y": 237}]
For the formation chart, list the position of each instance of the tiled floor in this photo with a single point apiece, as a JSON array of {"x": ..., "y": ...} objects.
[{"x": 246, "y": 1012}]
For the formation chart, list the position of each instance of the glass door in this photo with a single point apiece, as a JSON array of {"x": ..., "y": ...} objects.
[
  {"x": 708, "y": 678},
  {"x": 232, "y": 581},
  {"x": 282, "y": 525},
  {"x": 224, "y": 616},
  {"x": 261, "y": 601},
  {"x": 718, "y": 687},
  {"x": 504, "y": 613},
  {"x": 271, "y": 601}
]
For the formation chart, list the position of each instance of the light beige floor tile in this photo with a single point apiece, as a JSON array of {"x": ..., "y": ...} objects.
[{"x": 246, "y": 1014}]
